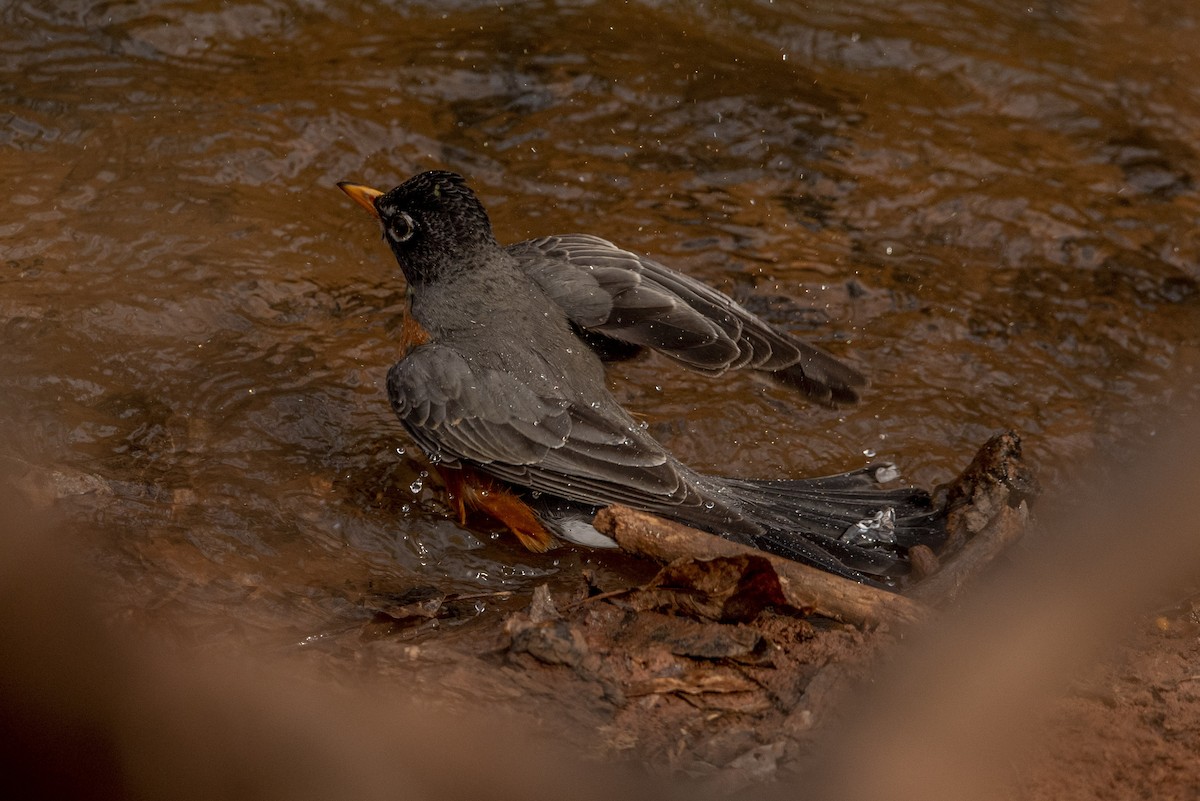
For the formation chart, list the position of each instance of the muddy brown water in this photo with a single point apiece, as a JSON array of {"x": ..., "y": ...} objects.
[{"x": 991, "y": 210}]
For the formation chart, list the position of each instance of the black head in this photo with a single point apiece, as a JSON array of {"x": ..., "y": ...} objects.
[{"x": 434, "y": 224}]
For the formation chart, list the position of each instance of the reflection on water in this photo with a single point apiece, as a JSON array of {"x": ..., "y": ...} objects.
[{"x": 991, "y": 211}]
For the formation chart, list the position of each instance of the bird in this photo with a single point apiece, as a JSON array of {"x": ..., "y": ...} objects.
[{"x": 501, "y": 385}]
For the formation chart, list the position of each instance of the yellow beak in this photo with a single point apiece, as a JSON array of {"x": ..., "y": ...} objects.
[{"x": 362, "y": 195}]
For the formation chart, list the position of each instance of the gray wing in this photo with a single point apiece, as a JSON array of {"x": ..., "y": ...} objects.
[
  {"x": 590, "y": 453},
  {"x": 635, "y": 300}
]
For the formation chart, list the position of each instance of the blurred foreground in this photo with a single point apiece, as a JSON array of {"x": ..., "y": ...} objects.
[{"x": 971, "y": 706}]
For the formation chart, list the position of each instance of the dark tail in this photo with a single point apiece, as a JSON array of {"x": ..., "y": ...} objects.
[{"x": 847, "y": 524}]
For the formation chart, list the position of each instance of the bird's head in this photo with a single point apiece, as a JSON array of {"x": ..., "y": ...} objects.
[{"x": 433, "y": 222}]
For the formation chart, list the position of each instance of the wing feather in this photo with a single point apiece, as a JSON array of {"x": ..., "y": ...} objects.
[
  {"x": 636, "y": 300},
  {"x": 593, "y": 454}
]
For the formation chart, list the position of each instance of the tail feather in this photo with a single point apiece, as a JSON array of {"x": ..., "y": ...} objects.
[
  {"x": 875, "y": 567},
  {"x": 805, "y": 520},
  {"x": 812, "y": 520}
]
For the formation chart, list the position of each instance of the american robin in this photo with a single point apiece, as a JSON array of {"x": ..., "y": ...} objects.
[{"x": 500, "y": 385}]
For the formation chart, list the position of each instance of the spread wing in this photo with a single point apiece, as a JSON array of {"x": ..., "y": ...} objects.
[
  {"x": 590, "y": 453},
  {"x": 635, "y": 300}
]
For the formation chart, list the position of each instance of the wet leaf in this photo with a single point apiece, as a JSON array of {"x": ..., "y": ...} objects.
[
  {"x": 551, "y": 642},
  {"x": 725, "y": 589},
  {"x": 541, "y": 632},
  {"x": 694, "y": 639},
  {"x": 422, "y": 602}
]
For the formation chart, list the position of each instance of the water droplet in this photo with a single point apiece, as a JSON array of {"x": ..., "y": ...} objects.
[
  {"x": 400, "y": 450},
  {"x": 709, "y": 505},
  {"x": 535, "y": 494},
  {"x": 869, "y": 453},
  {"x": 416, "y": 486}
]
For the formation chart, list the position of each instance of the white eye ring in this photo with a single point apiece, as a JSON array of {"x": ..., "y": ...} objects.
[{"x": 402, "y": 229}]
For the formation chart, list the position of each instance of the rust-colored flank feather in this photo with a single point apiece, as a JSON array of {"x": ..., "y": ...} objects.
[{"x": 470, "y": 489}]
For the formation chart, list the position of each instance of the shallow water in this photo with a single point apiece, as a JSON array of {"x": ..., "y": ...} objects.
[{"x": 991, "y": 211}]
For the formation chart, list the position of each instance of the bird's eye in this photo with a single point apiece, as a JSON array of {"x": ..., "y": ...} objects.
[{"x": 401, "y": 228}]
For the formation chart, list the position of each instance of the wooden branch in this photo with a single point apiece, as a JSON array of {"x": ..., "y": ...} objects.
[
  {"x": 805, "y": 587},
  {"x": 988, "y": 511},
  {"x": 1000, "y": 532}
]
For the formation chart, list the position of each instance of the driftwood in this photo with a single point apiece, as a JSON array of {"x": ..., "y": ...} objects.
[{"x": 987, "y": 511}]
